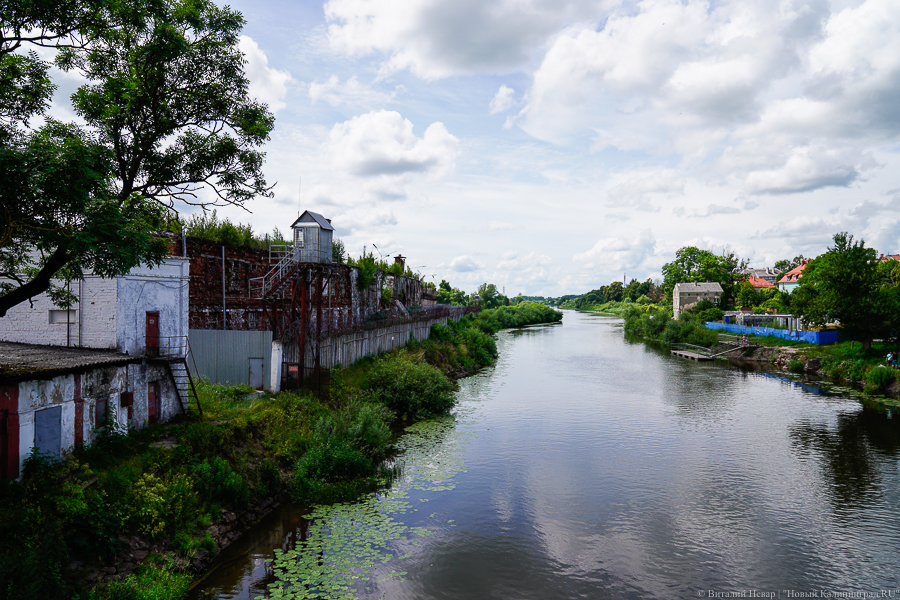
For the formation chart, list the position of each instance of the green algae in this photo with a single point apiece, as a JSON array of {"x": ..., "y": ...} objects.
[{"x": 346, "y": 543}]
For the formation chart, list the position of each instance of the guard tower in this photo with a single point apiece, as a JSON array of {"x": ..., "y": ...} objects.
[
  {"x": 312, "y": 238},
  {"x": 311, "y": 246}
]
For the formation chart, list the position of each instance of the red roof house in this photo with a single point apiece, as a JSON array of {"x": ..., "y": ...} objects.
[
  {"x": 759, "y": 282},
  {"x": 791, "y": 279}
]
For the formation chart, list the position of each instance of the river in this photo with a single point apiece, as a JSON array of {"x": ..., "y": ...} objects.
[{"x": 584, "y": 465}]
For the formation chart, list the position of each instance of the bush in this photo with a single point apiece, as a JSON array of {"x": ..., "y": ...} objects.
[
  {"x": 711, "y": 314},
  {"x": 880, "y": 377},
  {"x": 148, "y": 583},
  {"x": 219, "y": 483},
  {"x": 410, "y": 390},
  {"x": 795, "y": 366}
]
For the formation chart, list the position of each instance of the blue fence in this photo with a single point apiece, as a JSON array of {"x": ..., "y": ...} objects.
[{"x": 813, "y": 337}]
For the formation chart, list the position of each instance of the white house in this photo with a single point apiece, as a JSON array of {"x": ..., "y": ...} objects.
[{"x": 114, "y": 347}]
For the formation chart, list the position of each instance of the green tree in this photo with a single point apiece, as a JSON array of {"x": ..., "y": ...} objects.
[
  {"x": 845, "y": 285},
  {"x": 787, "y": 265},
  {"x": 694, "y": 264},
  {"x": 746, "y": 295},
  {"x": 489, "y": 296},
  {"x": 168, "y": 119}
]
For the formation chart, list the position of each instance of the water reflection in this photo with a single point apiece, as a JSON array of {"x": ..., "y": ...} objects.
[
  {"x": 594, "y": 467},
  {"x": 852, "y": 450}
]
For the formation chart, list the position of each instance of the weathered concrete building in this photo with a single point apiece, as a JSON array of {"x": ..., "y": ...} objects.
[
  {"x": 122, "y": 344},
  {"x": 686, "y": 295}
]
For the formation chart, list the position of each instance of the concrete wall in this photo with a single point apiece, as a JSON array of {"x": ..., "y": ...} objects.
[
  {"x": 163, "y": 290},
  {"x": 347, "y": 348},
  {"x": 66, "y": 391}
]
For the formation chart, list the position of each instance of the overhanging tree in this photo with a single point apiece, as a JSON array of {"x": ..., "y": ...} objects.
[
  {"x": 846, "y": 285},
  {"x": 168, "y": 120}
]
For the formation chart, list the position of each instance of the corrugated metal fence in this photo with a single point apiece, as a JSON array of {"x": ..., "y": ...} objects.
[
  {"x": 233, "y": 357},
  {"x": 812, "y": 337}
]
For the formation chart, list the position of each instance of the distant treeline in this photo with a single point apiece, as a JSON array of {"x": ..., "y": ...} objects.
[{"x": 645, "y": 292}]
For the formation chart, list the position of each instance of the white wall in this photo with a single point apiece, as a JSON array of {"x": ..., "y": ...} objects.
[
  {"x": 164, "y": 290},
  {"x": 93, "y": 324}
]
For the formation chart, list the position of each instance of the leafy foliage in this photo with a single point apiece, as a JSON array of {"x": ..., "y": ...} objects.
[
  {"x": 167, "y": 112},
  {"x": 657, "y": 324},
  {"x": 413, "y": 390},
  {"x": 846, "y": 284},
  {"x": 694, "y": 264}
]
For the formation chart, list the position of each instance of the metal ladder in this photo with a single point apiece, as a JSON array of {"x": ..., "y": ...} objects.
[
  {"x": 184, "y": 386},
  {"x": 177, "y": 355}
]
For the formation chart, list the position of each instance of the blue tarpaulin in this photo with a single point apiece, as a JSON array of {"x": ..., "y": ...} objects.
[{"x": 812, "y": 337}]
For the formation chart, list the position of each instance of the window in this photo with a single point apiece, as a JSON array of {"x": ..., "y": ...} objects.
[
  {"x": 62, "y": 316},
  {"x": 299, "y": 236}
]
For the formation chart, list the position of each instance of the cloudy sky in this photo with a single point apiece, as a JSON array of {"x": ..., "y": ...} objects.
[{"x": 551, "y": 146}]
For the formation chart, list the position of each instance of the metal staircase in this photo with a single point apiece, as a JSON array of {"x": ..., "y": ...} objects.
[
  {"x": 279, "y": 275},
  {"x": 177, "y": 353}
]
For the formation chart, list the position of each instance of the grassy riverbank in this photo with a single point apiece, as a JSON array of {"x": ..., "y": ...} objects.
[
  {"x": 135, "y": 516},
  {"x": 844, "y": 361}
]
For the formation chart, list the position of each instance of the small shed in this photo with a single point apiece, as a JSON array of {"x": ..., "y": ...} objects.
[{"x": 313, "y": 234}]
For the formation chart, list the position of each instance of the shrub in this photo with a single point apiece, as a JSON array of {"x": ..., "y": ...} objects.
[
  {"x": 413, "y": 390},
  {"x": 711, "y": 314},
  {"x": 148, "y": 583},
  {"x": 880, "y": 377},
  {"x": 795, "y": 366},
  {"x": 221, "y": 484},
  {"x": 164, "y": 505}
]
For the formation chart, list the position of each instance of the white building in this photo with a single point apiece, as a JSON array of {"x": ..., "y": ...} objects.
[{"x": 136, "y": 326}]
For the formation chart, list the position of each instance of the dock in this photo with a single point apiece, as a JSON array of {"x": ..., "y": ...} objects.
[
  {"x": 690, "y": 355},
  {"x": 700, "y": 353}
]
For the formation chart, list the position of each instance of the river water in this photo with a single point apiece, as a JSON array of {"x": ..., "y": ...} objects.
[{"x": 584, "y": 465}]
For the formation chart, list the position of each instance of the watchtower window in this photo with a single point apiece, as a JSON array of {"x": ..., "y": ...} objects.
[{"x": 298, "y": 237}]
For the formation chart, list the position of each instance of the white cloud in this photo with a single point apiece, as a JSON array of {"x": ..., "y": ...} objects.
[
  {"x": 266, "y": 84},
  {"x": 435, "y": 38},
  {"x": 528, "y": 262},
  {"x": 776, "y": 97},
  {"x": 465, "y": 264},
  {"x": 383, "y": 143},
  {"x": 615, "y": 254},
  {"x": 501, "y": 226},
  {"x": 349, "y": 93},
  {"x": 646, "y": 190},
  {"x": 359, "y": 221},
  {"x": 502, "y": 100}
]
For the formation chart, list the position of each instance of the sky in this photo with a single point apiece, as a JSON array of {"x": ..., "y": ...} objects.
[{"x": 553, "y": 146}]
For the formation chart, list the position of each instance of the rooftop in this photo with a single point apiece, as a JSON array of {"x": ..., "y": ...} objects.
[
  {"x": 25, "y": 361},
  {"x": 695, "y": 286},
  {"x": 758, "y": 282},
  {"x": 794, "y": 275}
]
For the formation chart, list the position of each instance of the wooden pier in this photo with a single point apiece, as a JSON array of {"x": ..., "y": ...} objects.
[
  {"x": 700, "y": 353},
  {"x": 690, "y": 355}
]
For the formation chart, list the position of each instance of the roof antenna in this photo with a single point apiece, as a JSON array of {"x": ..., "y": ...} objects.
[{"x": 299, "y": 192}]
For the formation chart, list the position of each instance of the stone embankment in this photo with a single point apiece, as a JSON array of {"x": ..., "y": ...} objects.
[{"x": 780, "y": 358}]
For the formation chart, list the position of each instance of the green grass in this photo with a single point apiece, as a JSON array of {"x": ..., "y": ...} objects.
[{"x": 326, "y": 448}]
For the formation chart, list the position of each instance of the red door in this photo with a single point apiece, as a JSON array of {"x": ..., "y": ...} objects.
[
  {"x": 153, "y": 402},
  {"x": 152, "y": 333},
  {"x": 4, "y": 443}
]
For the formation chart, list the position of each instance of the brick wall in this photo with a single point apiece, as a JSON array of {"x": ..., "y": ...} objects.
[{"x": 93, "y": 324}]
